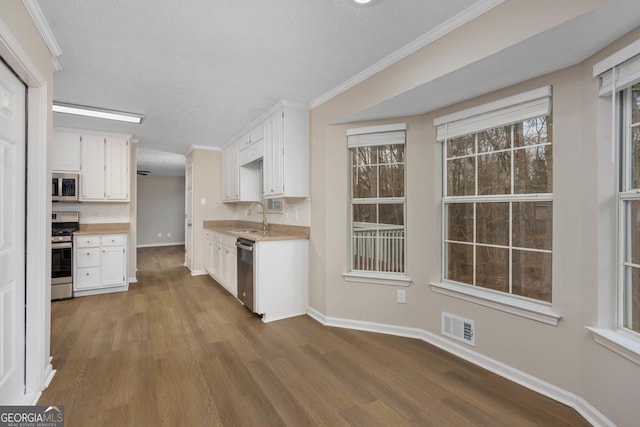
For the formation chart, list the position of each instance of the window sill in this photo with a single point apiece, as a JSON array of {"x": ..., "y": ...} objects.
[
  {"x": 377, "y": 278},
  {"x": 539, "y": 312},
  {"x": 618, "y": 342}
]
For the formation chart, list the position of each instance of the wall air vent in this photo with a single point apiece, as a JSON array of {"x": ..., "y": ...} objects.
[{"x": 459, "y": 328}]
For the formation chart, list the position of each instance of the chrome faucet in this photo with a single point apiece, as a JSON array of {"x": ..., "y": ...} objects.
[{"x": 265, "y": 225}]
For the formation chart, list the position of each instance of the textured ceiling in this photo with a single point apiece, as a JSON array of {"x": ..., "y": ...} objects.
[{"x": 201, "y": 70}]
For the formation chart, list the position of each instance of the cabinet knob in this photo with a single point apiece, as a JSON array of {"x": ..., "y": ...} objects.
[
  {"x": 88, "y": 253},
  {"x": 113, "y": 241},
  {"x": 88, "y": 241},
  {"x": 88, "y": 274},
  {"x": 104, "y": 251}
]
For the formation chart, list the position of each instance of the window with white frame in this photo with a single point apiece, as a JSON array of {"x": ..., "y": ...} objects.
[
  {"x": 377, "y": 199},
  {"x": 629, "y": 200},
  {"x": 498, "y": 197}
]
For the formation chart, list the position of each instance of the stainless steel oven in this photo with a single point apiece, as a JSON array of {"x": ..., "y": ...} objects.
[
  {"x": 65, "y": 187},
  {"x": 63, "y": 224}
]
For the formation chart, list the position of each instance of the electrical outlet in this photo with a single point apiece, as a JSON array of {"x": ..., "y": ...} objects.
[
  {"x": 159, "y": 234},
  {"x": 168, "y": 234},
  {"x": 401, "y": 297}
]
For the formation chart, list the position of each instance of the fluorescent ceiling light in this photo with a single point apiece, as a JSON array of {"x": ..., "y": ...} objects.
[
  {"x": 80, "y": 110},
  {"x": 362, "y": 1}
]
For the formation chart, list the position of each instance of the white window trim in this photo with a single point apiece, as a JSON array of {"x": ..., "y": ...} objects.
[
  {"x": 538, "y": 311},
  {"x": 616, "y": 73},
  {"x": 367, "y": 136},
  {"x": 618, "y": 341},
  {"x": 504, "y": 111},
  {"x": 378, "y": 278}
]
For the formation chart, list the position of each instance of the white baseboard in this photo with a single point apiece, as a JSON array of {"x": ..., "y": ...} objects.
[
  {"x": 199, "y": 272},
  {"x": 153, "y": 245},
  {"x": 133, "y": 279},
  {"x": 538, "y": 385}
]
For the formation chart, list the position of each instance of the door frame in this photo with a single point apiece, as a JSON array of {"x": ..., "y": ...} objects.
[{"x": 38, "y": 369}]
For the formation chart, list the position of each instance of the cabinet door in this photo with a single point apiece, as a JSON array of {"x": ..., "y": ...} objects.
[
  {"x": 230, "y": 271},
  {"x": 116, "y": 169},
  {"x": 188, "y": 216},
  {"x": 208, "y": 256},
  {"x": 230, "y": 174},
  {"x": 273, "y": 161},
  {"x": 92, "y": 176},
  {"x": 112, "y": 266},
  {"x": 65, "y": 152},
  {"x": 215, "y": 260}
]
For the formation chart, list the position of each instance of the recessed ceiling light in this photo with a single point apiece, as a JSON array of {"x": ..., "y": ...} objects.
[
  {"x": 362, "y": 1},
  {"x": 99, "y": 113}
]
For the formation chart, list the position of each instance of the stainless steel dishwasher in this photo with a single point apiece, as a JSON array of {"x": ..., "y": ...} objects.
[{"x": 245, "y": 273}]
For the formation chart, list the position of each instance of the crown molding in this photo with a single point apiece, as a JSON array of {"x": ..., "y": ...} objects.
[
  {"x": 440, "y": 31},
  {"x": 45, "y": 31}
]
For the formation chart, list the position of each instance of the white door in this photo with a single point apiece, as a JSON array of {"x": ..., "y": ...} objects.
[{"x": 12, "y": 236}]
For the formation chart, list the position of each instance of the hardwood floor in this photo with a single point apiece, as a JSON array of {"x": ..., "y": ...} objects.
[{"x": 178, "y": 350}]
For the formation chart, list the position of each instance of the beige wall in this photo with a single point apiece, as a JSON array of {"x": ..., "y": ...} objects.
[
  {"x": 564, "y": 355},
  {"x": 160, "y": 194},
  {"x": 206, "y": 184}
]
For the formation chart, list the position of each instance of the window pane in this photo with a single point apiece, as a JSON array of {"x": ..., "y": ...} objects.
[
  {"x": 532, "y": 275},
  {"x": 635, "y": 158},
  {"x": 365, "y": 156},
  {"x": 635, "y": 103},
  {"x": 392, "y": 180},
  {"x": 534, "y": 131},
  {"x": 533, "y": 170},
  {"x": 388, "y": 154},
  {"x": 462, "y": 146},
  {"x": 460, "y": 222},
  {"x": 494, "y": 139},
  {"x": 532, "y": 225},
  {"x": 365, "y": 182},
  {"x": 494, "y": 173},
  {"x": 492, "y": 223},
  {"x": 492, "y": 269},
  {"x": 631, "y": 299},
  {"x": 460, "y": 263},
  {"x": 461, "y": 177},
  {"x": 391, "y": 214},
  {"x": 364, "y": 217}
]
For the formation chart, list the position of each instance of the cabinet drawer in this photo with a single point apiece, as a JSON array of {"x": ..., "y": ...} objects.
[
  {"x": 87, "y": 257},
  {"x": 229, "y": 241},
  {"x": 87, "y": 241},
  {"x": 87, "y": 278},
  {"x": 112, "y": 240}
]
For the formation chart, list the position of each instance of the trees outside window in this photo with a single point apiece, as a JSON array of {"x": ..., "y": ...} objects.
[{"x": 498, "y": 208}]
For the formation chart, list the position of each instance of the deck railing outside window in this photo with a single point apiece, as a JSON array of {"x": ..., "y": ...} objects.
[{"x": 378, "y": 247}]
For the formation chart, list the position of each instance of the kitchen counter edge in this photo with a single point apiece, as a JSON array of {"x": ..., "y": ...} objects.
[{"x": 276, "y": 231}]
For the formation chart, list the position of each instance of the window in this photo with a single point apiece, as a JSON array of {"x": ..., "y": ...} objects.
[
  {"x": 629, "y": 199},
  {"x": 497, "y": 196},
  {"x": 378, "y": 201}
]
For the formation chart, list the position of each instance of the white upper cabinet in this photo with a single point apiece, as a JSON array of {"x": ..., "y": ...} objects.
[
  {"x": 286, "y": 153},
  {"x": 230, "y": 174},
  {"x": 92, "y": 177},
  {"x": 65, "y": 152},
  {"x": 105, "y": 168},
  {"x": 116, "y": 186}
]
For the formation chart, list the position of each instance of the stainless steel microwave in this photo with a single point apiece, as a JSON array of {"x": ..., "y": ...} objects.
[{"x": 65, "y": 187}]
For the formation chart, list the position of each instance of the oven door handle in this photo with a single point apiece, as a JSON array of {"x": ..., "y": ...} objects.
[{"x": 63, "y": 245}]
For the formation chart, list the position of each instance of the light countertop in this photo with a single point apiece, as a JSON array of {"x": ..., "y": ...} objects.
[
  {"x": 276, "y": 231},
  {"x": 110, "y": 228}
]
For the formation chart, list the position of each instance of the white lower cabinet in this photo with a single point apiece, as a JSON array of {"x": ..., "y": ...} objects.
[
  {"x": 100, "y": 264},
  {"x": 280, "y": 273},
  {"x": 220, "y": 259}
]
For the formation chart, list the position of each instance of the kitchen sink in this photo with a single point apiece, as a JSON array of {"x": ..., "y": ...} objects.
[{"x": 245, "y": 231}]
